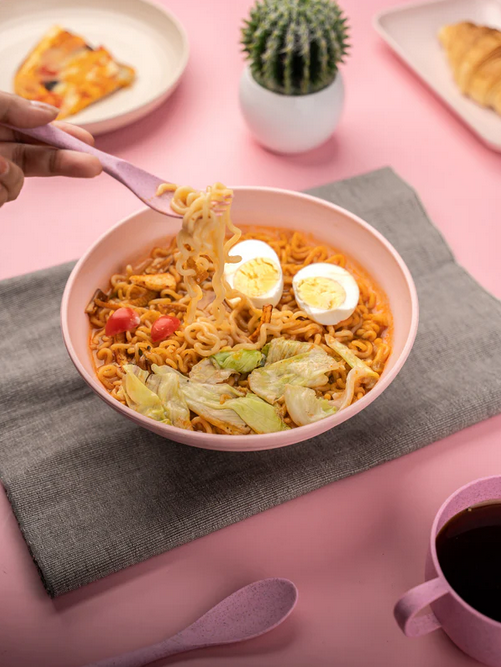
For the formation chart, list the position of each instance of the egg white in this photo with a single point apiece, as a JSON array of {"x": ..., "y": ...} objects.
[
  {"x": 338, "y": 274},
  {"x": 254, "y": 249}
]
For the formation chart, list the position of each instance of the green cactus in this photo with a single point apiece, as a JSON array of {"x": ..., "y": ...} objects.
[{"x": 295, "y": 46}]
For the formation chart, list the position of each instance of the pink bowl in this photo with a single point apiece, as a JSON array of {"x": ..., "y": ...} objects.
[{"x": 133, "y": 237}]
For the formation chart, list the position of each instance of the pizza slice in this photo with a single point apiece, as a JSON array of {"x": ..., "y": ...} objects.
[{"x": 63, "y": 70}]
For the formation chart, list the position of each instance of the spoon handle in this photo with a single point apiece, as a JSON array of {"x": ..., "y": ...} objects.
[
  {"x": 146, "y": 655},
  {"x": 55, "y": 137}
]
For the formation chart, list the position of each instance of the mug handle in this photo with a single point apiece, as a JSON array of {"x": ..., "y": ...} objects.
[{"x": 412, "y": 602}]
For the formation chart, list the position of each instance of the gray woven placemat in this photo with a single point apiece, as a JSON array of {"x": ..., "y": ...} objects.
[{"x": 94, "y": 493}]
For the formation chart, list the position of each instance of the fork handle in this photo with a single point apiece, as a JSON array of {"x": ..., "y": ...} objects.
[{"x": 55, "y": 137}]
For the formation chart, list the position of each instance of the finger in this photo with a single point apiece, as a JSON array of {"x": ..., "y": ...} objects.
[
  {"x": 11, "y": 180},
  {"x": 47, "y": 161},
  {"x": 75, "y": 131},
  {"x": 11, "y": 135},
  {"x": 17, "y": 111}
]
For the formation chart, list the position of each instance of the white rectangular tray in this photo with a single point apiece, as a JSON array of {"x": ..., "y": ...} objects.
[{"x": 411, "y": 30}]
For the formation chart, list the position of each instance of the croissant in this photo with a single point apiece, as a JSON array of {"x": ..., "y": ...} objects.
[{"x": 474, "y": 55}]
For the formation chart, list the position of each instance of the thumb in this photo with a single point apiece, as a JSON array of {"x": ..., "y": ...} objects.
[{"x": 19, "y": 112}]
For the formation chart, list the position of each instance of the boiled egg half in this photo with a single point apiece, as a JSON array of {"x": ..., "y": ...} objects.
[
  {"x": 258, "y": 274},
  {"x": 326, "y": 292}
]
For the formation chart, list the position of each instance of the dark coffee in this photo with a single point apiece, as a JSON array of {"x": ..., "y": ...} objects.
[{"x": 469, "y": 553}]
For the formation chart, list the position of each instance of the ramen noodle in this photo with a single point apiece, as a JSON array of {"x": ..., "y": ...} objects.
[{"x": 238, "y": 331}]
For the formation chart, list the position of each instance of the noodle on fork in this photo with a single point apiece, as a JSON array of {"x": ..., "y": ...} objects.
[{"x": 202, "y": 239}]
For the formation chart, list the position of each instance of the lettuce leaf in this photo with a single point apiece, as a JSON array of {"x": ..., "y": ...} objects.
[
  {"x": 137, "y": 371},
  {"x": 241, "y": 361},
  {"x": 139, "y": 397},
  {"x": 209, "y": 372},
  {"x": 305, "y": 407},
  {"x": 208, "y": 401},
  {"x": 168, "y": 389},
  {"x": 283, "y": 348},
  {"x": 306, "y": 370},
  {"x": 353, "y": 379},
  {"x": 256, "y": 413},
  {"x": 166, "y": 370},
  {"x": 352, "y": 360}
]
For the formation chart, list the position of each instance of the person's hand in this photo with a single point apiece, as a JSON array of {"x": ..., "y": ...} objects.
[{"x": 21, "y": 156}]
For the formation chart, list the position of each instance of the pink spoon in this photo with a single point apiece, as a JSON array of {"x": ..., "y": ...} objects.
[
  {"x": 247, "y": 613},
  {"x": 143, "y": 184}
]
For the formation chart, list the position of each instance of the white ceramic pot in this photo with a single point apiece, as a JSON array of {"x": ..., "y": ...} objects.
[{"x": 290, "y": 123}]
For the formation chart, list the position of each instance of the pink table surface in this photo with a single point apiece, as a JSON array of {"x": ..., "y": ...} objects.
[{"x": 353, "y": 547}]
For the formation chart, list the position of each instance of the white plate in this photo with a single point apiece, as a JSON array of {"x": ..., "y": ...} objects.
[
  {"x": 412, "y": 32},
  {"x": 136, "y": 32}
]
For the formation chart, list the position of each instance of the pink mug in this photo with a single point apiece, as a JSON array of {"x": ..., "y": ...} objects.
[{"x": 477, "y": 635}]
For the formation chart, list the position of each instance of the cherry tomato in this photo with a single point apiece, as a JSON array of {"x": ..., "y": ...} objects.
[
  {"x": 164, "y": 327},
  {"x": 123, "y": 319}
]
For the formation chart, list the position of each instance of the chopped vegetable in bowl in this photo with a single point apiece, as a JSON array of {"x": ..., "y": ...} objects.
[{"x": 285, "y": 373}]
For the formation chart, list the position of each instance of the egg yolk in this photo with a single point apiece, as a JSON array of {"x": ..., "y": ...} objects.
[
  {"x": 256, "y": 277},
  {"x": 321, "y": 293}
]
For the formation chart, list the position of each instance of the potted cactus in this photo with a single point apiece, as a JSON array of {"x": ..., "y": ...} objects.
[{"x": 291, "y": 93}]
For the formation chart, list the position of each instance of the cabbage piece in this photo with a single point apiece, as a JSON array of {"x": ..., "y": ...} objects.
[
  {"x": 168, "y": 389},
  {"x": 307, "y": 370},
  {"x": 352, "y": 360},
  {"x": 137, "y": 371},
  {"x": 209, "y": 372},
  {"x": 305, "y": 407},
  {"x": 256, "y": 413},
  {"x": 283, "y": 348},
  {"x": 213, "y": 391},
  {"x": 354, "y": 377},
  {"x": 217, "y": 392},
  {"x": 139, "y": 397},
  {"x": 167, "y": 370},
  {"x": 241, "y": 361},
  {"x": 209, "y": 401}
]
